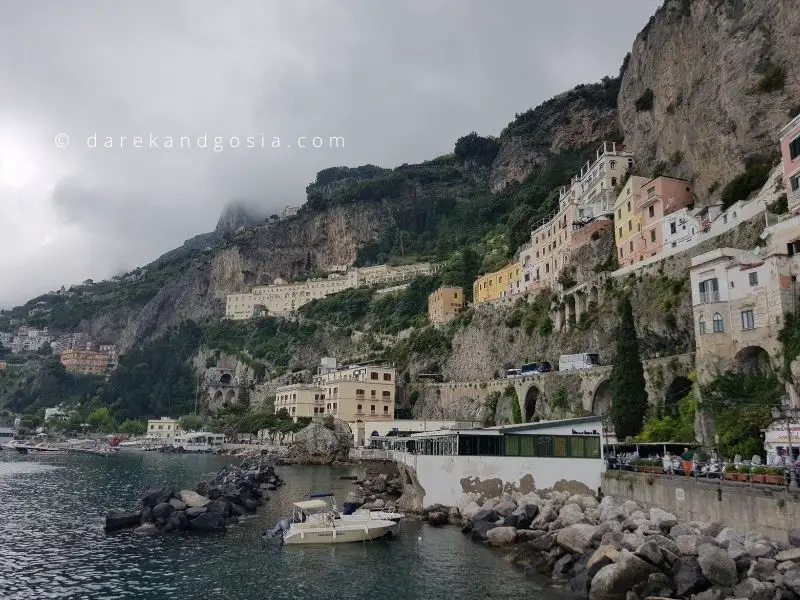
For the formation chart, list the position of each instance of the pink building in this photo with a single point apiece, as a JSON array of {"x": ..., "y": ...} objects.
[
  {"x": 643, "y": 235},
  {"x": 790, "y": 153}
]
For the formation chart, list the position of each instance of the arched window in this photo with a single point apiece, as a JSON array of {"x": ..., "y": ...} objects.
[
  {"x": 612, "y": 165},
  {"x": 701, "y": 324},
  {"x": 719, "y": 327}
]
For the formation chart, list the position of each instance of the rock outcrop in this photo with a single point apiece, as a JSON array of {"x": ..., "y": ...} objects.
[
  {"x": 216, "y": 502},
  {"x": 319, "y": 444},
  {"x": 708, "y": 64}
]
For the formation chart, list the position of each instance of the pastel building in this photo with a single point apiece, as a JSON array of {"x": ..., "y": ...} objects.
[
  {"x": 790, "y": 158},
  {"x": 588, "y": 199},
  {"x": 644, "y": 214},
  {"x": 86, "y": 362},
  {"x": 444, "y": 304},
  {"x": 497, "y": 285},
  {"x": 740, "y": 300},
  {"x": 353, "y": 393},
  {"x": 164, "y": 429}
]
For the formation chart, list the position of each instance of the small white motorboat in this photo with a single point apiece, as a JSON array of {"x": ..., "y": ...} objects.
[{"x": 317, "y": 521}]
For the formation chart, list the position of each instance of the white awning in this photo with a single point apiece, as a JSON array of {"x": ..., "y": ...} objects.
[{"x": 309, "y": 504}]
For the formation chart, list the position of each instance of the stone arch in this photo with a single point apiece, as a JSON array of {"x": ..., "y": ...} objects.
[
  {"x": 594, "y": 295},
  {"x": 225, "y": 379},
  {"x": 753, "y": 360},
  {"x": 601, "y": 402},
  {"x": 676, "y": 390},
  {"x": 531, "y": 401},
  {"x": 570, "y": 301},
  {"x": 230, "y": 397}
]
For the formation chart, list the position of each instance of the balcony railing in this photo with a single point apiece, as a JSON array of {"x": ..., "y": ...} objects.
[
  {"x": 710, "y": 296},
  {"x": 646, "y": 200}
]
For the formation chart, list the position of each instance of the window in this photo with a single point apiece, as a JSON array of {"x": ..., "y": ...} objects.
[
  {"x": 372, "y": 408},
  {"x": 709, "y": 290},
  {"x": 372, "y": 393},
  {"x": 374, "y": 374},
  {"x": 753, "y": 277},
  {"x": 631, "y": 245},
  {"x": 612, "y": 164},
  {"x": 387, "y": 376},
  {"x": 386, "y": 410},
  {"x": 719, "y": 327},
  {"x": 651, "y": 192},
  {"x": 619, "y": 213},
  {"x": 651, "y": 211},
  {"x": 794, "y": 148},
  {"x": 620, "y": 232},
  {"x": 630, "y": 226},
  {"x": 613, "y": 181},
  {"x": 386, "y": 395},
  {"x": 701, "y": 325},
  {"x": 794, "y": 183},
  {"x": 748, "y": 321},
  {"x": 358, "y": 407},
  {"x": 652, "y": 235},
  {"x": 673, "y": 227},
  {"x": 629, "y": 206}
]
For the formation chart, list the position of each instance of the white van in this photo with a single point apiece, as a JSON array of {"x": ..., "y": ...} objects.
[
  {"x": 513, "y": 373},
  {"x": 576, "y": 362}
]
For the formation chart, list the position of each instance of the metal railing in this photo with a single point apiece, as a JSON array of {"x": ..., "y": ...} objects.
[
  {"x": 710, "y": 296},
  {"x": 404, "y": 458},
  {"x": 368, "y": 454}
]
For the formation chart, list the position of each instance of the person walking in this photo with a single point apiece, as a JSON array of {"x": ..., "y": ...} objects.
[{"x": 687, "y": 458}]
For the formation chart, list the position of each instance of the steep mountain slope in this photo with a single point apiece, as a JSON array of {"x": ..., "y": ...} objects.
[{"x": 708, "y": 86}]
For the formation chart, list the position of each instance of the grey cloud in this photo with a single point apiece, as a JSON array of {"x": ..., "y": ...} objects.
[{"x": 400, "y": 81}]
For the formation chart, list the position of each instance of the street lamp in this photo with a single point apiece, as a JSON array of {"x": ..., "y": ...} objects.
[{"x": 788, "y": 413}]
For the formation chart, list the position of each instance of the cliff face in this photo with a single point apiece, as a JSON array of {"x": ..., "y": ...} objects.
[
  {"x": 718, "y": 96},
  {"x": 578, "y": 118}
]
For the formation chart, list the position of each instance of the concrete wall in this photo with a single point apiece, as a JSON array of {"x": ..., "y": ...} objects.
[
  {"x": 770, "y": 512},
  {"x": 445, "y": 478}
]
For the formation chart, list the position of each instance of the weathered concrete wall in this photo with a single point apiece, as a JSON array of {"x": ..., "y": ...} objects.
[
  {"x": 587, "y": 390},
  {"x": 443, "y": 479},
  {"x": 770, "y": 512}
]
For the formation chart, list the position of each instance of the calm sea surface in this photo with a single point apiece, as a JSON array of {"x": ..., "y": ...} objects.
[{"x": 52, "y": 543}]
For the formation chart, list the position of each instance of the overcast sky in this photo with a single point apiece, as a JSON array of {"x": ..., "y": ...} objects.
[{"x": 400, "y": 81}]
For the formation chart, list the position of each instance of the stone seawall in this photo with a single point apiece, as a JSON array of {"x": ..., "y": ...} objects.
[{"x": 770, "y": 512}]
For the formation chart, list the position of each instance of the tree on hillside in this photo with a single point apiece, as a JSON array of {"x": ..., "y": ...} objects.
[
  {"x": 627, "y": 384},
  {"x": 101, "y": 420},
  {"x": 133, "y": 427}
]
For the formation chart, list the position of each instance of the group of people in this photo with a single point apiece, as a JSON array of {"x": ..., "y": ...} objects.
[{"x": 687, "y": 462}]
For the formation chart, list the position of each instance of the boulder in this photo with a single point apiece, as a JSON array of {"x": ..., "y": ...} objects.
[
  {"x": 759, "y": 549},
  {"x": 585, "y": 502},
  {"x": 192, "y": 499},
  {"x": 737, "y": 552},
  {"x": 145, "y": 530},
  {"x": 318, "y": 444},
  {"x": 484, "y": 514},
  {"x": 613, "y": 581},
  {"x": 163, "y": 511},
  {"x": 794, "y": 537},
  {"x": 752, "y": 589},
  {"x": 480, "y": 529},
  {"x": 562, "y": 566},
  {"x": 631, "y": 541},
  {"x": 237, "y": 510},
  {"x": 502, "y": 536},
  {"x": 793, "y": 554},
  {"x": 379, "y": 503},
  {"x": 505, "y": 507},
  {"x": 571, "y": 514},
  {"x": 683, "y": 529},
  {"x": 470, "y": 510},
  {"x": 543, "y": 543},
  {"x": 179, "y": 520},
  {"x": 604, "y": 555},
  {"x": 728, "y": 535},
  {"x": 576, "y": 538},
  {"x": 791, "y": 579},
  {"x": 762, "y": 568},
  {"x": 177, "y": 504},
  {"x": 612, "y": 512},
  {"x": 438, "y": 518},
  {"x": 650, "y": 552},
  {"x": 546, "y": 516},
  {"x": 156, "y": 494},
  {"x": 688, "y": 544},
  {"x": 208, "y": 521},
  {"x": 716, "y": 565},
  {"x": 195, "y": 511},
  {"x": 220, "y": 507},
  {"x": 712, "y": 529},
  {"x": 688, "y": 577},
  {"x": 122, "y": 520},
  {"x": 657, "y": 585},
  {"x": 662, "y": 519},
  {"x": 630, "y": 507}
]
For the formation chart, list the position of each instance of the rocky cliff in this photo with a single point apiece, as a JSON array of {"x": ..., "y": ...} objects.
[{"x": 708, "y": 86}]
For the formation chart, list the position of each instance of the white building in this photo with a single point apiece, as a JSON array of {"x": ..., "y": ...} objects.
[
  {"x": 289, "y": 211},
  {"x": 524, "y": 458},
  {"x": 30, "y": 340},
  {"x": 5, "y": 339},
  {"x": 364, "y": 430},
  {"x": 57, "y": 412},
  {"x": 164, "y": 429},
  {"x": 283, "y": 298}
]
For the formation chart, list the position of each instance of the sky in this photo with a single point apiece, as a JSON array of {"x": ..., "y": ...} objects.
[{"x": 92, "y": 90}]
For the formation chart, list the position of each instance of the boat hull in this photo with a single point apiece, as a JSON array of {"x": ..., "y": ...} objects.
[{"x": 340, "y": 535}]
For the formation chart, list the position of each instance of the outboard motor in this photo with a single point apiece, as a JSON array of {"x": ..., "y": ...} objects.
[{"x": 279, "y": 529}]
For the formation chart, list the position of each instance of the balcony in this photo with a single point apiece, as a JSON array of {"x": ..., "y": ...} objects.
[
  {"x": 644, "y": 201},
  {"x": 709, "y": 297}
]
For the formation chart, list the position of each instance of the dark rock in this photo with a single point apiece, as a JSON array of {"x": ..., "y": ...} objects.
[
  {"x": 562, "y": 566},
  {"x": 123, "y": 520},
  {"x": 579, "y": 578},
  {"x": 232, "y": 520},
  {"x": 467, "y": 527},
  {"x": 179, "y": 520},
  {"x": 511, "y": 521},
  {"x": 479, "y": 530},
  {"x": 162, "y": 512},
  {"x": 688, "y": 577},
  {"x": 711, "y": 594},
  {"x": 484, "y": 515},
  {"x": 543, "y": 543},
  {"x": 206, "y": 522},
  {"x": 237, "y": 510},
  {"x": 195, "y": 511},
  {"x": 220, "y": 507},
  {"x": 657, "y": 585},
  {"x": 156, "y": 494},
  {"x": 177, "y": 503},
  {"x": 531, "y": 511},
  {"x": 651, "y": 552},
  {"x": 523, "y": 522},
  {"x": 250, "y": 504},
  {"x": 438, "y": 518}
]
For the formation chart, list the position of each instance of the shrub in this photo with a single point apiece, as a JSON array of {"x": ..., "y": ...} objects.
[
  {"x": 744, "y": 184},
  {"x": 772, "y": 79},
  {"x": 659, "y": 169},
  {"x": 595, "y": 236},
  {"x": 780, "y": 206},
  {"x": 645, "y": 101}
]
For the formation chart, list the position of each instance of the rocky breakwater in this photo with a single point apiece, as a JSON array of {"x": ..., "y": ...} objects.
[
  {"x": 379, "y": 491},
  {"x": 614, "y": 550},
  {"x": 217, "y": 501}
]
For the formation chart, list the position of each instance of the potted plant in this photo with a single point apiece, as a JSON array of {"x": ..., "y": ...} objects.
[
  {"x": 742, "y": 473},
  {"x": 757, "y": 474},
  {"x": 775, "y": 476},
  {"x": 731, "y": 473}
]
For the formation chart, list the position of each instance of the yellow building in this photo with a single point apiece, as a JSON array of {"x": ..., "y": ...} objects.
[
  {"x": 358, "y": 392},
  {"x": 500, "y": 284},
  {"x": 164, "y": 429},
  {"x": 445, "y": 303},
  {"x": 301, "y": 400},
  {"x": 86, "y": 362},
  {"x": 628, "y": 218}
]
